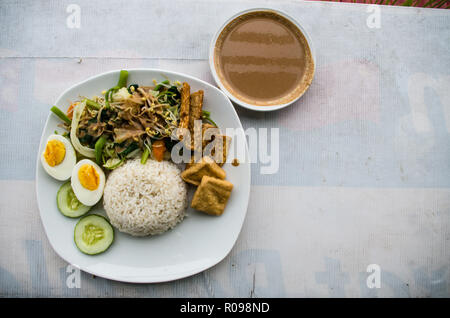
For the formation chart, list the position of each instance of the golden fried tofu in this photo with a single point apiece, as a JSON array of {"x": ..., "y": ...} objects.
[
  {"x": 212, "y": 195},
  {"x": 192, "y": 162},
  {"x": 206, "y": 167}
]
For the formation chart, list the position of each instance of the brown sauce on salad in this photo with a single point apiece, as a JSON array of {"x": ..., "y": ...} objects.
[{"x": 263, "y": 59}]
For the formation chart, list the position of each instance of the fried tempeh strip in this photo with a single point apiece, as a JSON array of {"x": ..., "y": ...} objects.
[
  {"x": 185, "y": 107},
  {"x": 195, "y": 114},
  {"x": 195, "y": 110}
]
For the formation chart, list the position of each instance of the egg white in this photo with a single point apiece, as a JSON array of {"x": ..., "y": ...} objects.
[
  {"x": 63, "y": 171},
  {"x": 85, "y": 196}
]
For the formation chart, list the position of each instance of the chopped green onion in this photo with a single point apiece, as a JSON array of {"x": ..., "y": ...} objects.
[{"x": 61, "y": 115}]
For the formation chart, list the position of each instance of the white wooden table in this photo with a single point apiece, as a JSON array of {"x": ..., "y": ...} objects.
[{"x": 364, "y": 175}]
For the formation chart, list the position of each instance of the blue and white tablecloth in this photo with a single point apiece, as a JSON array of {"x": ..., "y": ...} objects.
[{"x": 363, "y": 185}]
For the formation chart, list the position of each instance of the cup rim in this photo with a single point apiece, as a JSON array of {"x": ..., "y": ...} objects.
[{"x": 229, "y": 94}]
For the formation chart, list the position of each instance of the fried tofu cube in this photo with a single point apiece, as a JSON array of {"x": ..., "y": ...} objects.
[
  {"x": 212, "y": 195},
  {"x": 206, "y": 167}
]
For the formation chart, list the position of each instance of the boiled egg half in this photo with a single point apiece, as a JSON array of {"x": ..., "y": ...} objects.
[
  {"x": 88, "y": 182},
  {"x": 58, "y": 158}
]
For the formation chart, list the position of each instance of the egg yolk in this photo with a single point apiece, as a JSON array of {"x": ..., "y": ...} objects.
[
  {"x": 88, "y": 177},
  {"x": 54, "y": 152}
]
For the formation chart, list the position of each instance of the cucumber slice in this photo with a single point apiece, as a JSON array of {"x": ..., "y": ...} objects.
[
  {"x": 93, "y": 234},
  {"x": 68, "y": 203}
]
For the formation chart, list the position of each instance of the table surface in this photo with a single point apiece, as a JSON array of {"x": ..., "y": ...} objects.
[{"x": 364, "y": 169}]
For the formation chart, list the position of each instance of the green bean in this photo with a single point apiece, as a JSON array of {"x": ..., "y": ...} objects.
[
  {"x": 92, "y": 104},
  {"x": 99, "y": 149},
  {"x": 108, "y": 96},
  {"x": 61, "y": 115},
  {"x": 145, "y": 155},
  {"x": 123, "y": 77}
]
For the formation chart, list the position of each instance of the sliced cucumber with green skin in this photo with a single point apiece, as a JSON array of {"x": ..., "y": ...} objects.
[
  {"x": 93, "y": 234},
  {"x": 68, "y": 203}
]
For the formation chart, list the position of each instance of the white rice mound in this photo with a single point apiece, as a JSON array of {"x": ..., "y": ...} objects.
[{"x": 145, "y": 199}]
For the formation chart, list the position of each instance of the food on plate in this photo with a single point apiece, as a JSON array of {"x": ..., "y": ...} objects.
[
  {"x": 68, "y": 204},
  {"x": 208, "y": 131},
  {"x": 220, "y": 147},
  {"x": 123, "y": 140},
  {"x": 195, "y": 109},
  {"x": 214, "y": 146},
  {"x": 145, "y": 199},
  {"x": 58, "y": 157},
  {"x": 88, "y": 182},
  {"x": 212, "y": 195},
  {"x": 124, "y": 122},
  {"x": 159, "y": 149},
  {"x": 206, "y": 167},
  {"x": 93, "y": 234},
  {"x": 134, "y": 121},
  {"x": 65, "y": 118},
  {"x": 184, "y": 108}
]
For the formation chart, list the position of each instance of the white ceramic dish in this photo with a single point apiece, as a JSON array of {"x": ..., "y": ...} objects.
[
  {"x": 197, "y": 243},
  {"x": 220, "y": 84}
]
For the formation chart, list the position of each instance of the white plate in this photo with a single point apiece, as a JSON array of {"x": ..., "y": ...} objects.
[{"x": 197, "y": 243}]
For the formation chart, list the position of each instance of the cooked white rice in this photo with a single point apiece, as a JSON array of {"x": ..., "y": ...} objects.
[{"x": 145, "y": 199}]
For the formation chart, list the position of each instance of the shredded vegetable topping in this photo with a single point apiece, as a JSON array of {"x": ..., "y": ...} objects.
[{"x": 128, "y": 121}]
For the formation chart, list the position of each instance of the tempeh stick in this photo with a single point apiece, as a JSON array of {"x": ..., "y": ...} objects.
[
  {"x": 184, "y": 109},
  {"x": 195, "y": 111}
]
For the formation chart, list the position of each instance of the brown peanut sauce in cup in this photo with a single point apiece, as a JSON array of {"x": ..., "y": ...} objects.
[{"x": 263, "y": 59}]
